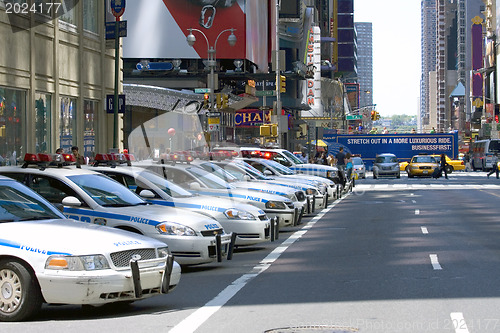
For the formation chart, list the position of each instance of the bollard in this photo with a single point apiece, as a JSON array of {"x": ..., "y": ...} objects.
[
  {"x": 218, "y": 247},
  {"x": 136, "y": 278},
  {"x": 165, "y": 286},
  {"x": 277, "y": 225},
  {"x": 314, "y": 204},
  {"x": 231, "y": 246},
  {"x": 296, "y": 217},
  {"x": 272, "y": 229},
  {"x": 326, "y": 201},
  {"x": 308, "y": 206}
]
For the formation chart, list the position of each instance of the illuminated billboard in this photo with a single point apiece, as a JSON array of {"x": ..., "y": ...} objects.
[{"x": 158, "y": 29}]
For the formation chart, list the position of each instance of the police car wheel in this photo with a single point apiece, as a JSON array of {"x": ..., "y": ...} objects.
[{"x": 20, "y": 295}]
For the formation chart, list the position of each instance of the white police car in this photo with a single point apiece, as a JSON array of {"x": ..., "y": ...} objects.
[
  {"x": 274, "y": 169},
  {"x": 249, "y": 223},
  {"x": 249, "y": 177},
  {"x": 89, "y": 196},
  {"x": 200, "y": 181},
  {"x": 46, "y": 258}
]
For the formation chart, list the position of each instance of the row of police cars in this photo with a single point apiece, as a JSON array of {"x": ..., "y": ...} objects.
[{"x": 57, "y": 247}]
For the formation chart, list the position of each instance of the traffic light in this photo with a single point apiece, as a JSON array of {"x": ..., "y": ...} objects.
[
  {"x": 225, "y": 101},
  {"x": 373, "y": 115},
  {"x": 206, "y": 101},
  {"x": 377, "y": 115},
  {"x": 282, "y": 83},
  {"x": 218, "y": 100},
  {"x": 274, "y": 130},
  {"x": 265, "y": 130}
]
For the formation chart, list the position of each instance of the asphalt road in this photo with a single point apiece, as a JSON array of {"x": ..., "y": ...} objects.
[{"x": 395, "y": 255}]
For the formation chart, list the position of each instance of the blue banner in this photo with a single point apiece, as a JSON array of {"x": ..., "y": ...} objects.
[{"x": 404, "y": 146}]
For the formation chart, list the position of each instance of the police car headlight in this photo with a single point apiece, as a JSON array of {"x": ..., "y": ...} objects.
[
  {"x": 77, "y": 263},
  {"x": 163, "y": 252},
  {"x": 236, "y": 214},
  {"x": 176, "y": 229},
  {"x": 275, "y": 205},
  {"x": 311, "y": 191}
]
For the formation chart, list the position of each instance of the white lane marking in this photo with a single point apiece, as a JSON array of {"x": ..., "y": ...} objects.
[
  {"x": 414, "y": 201},
  {"x": 417, "y": 211},
  {"x": 458, "y": 322},
  {"x": 424, "y": 230},
  {"x": 435, "y": 262},
  {"x": 198, "y": 317}
]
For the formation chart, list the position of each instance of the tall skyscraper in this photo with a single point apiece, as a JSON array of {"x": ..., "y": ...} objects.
[
  {"x": 428, "y": 54},
  {"x": 365, "y": 62}
]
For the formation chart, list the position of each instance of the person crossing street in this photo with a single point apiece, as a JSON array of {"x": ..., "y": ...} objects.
[{"x": 494, "y": 166}]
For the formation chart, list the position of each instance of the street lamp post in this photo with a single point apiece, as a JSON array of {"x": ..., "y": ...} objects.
[{"x": 211, "y": 54}]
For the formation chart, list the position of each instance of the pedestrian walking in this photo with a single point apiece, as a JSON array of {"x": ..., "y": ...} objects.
[
  {"x": 443, "y": 165},
  {"x": 494, "y": 166},
  {"x": 340, "y": 158},
  {"x": 79, "y": 158}
]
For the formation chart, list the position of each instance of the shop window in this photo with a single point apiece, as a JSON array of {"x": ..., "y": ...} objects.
[
  {"x": 12, "y": 118},
  {"x": 42, "y": 122},
  {"x": 89, "y": 109},
  {"x": 67, "y": 123}
]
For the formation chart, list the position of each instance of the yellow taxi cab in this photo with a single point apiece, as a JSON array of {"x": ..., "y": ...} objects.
[
  {"x": 421, "y": 166},
  {"x": 403, "y": 165},
  {"x": 454, "y": 165}
]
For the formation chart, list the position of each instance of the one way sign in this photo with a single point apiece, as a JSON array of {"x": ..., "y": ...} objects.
[{"x": 109, "y": 103}]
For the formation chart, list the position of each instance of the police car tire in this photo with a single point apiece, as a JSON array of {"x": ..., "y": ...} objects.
[{"x": 29, "y": 299}]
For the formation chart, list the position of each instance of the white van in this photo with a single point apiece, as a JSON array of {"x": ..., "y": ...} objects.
[{"x": 482, "y": 152}]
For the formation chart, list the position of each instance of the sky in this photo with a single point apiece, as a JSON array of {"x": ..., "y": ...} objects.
[{"x": 396, "y": 53}]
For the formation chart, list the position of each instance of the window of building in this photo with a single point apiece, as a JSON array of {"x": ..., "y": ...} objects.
[
  {"x": 67, "y": 136},
  {"x": 43, "y": 106},
  {"x": 89, "y": 109},
  {"x": 70, "y": 12},
  {"x": 90, "y": 15},
  {"x": 12, "y": 117}
]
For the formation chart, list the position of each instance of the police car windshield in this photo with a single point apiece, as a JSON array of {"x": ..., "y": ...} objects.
[
  {"x": 279, "y": 167},
  {"x": 209, "y": 179},
  {"x": 292, "y": 157},
  {"x": 166, "y": 186},
  {"x": 253, "y": 171},
  {"x": 18, "y": 203},
  {"x": 105, "y": 191}
]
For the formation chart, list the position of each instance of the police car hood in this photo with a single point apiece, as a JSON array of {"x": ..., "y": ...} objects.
[
  {"x": 158, "y": 213},
  {"x": 214, "y": 205},
  {"x": 70, "y": 237}
]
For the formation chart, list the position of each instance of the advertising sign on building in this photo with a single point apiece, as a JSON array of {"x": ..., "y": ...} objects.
[
  {"x": 312, "y": 86},
  {"x": 252, "y": 117},
  {"x": 155, "y": 25}
]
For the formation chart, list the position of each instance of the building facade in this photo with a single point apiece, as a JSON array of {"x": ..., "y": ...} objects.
[
  {"x": 365, "y": 63},
  {"x": 54, "y": 77}
]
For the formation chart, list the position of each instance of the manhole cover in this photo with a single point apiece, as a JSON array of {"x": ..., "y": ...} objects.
[{"x": 313, "y": 329}]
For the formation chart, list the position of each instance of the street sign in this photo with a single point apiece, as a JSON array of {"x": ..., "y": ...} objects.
[
  {"x": 117, "y": 7},
  {"x": 110, "y": 29},
  {"x": 265, "y": 93},
  {"x": 109, "y": 103},
  {"x": 213, "y": 114},
  {"x": 354, "y": 117},
  {"x": 201, "y": 90},
  {"x": 213, "y": 124}
]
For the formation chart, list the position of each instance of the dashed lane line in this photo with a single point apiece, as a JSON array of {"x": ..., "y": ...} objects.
[
  {"x": 435, "y": 262},
  {"x": 198, "y": 317}
]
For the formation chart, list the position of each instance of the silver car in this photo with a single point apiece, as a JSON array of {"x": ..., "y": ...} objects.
[{"x": 386, "y": 165}]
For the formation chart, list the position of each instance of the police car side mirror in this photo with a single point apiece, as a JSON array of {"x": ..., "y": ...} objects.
[
  {"x": 148, "y": 194},
  {"x": 71, "y": 201},
  {"x": 246, "y": 178},
  {"x": 268, "y": 172},
  {"x": 195, "y": 186}
]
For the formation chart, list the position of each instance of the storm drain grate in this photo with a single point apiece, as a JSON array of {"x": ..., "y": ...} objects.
[{"x": 313, "y": 329}]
